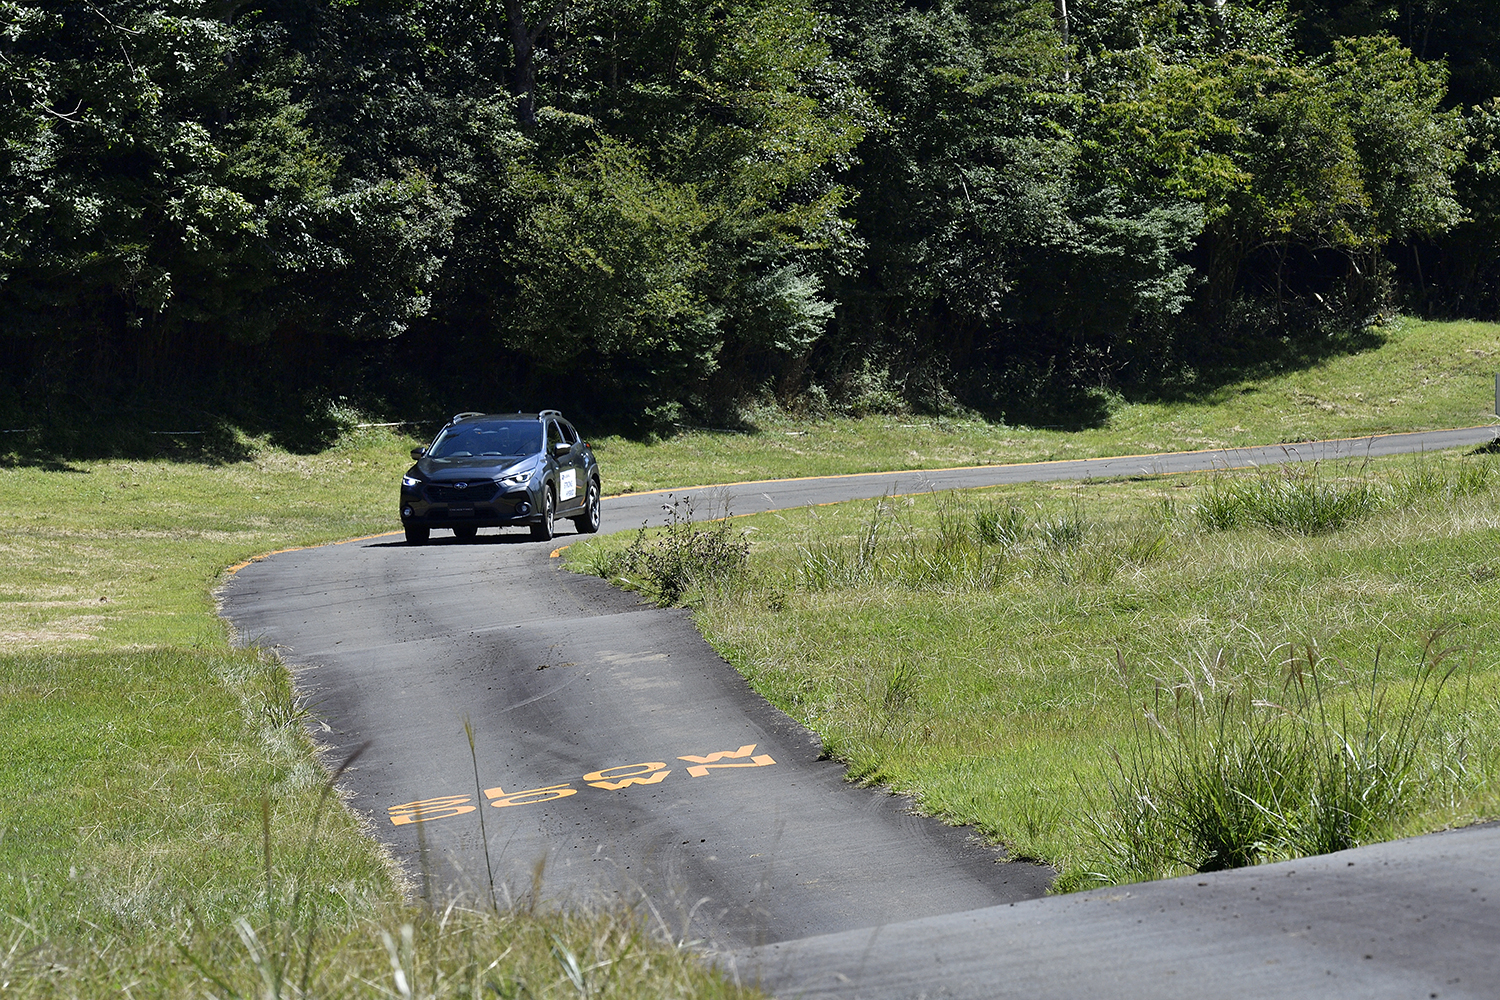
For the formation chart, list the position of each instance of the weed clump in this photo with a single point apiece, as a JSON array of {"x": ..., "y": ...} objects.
[
  {"x": 1224, "y": 774},
  {"x": 1296, "y": 504},
  {"x": 996, "y": 526},
  {"x": 1302, "y": 503},
  {"x": 687, "y": 557}
]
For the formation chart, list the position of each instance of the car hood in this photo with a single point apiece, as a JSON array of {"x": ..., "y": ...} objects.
[{"x": 456, "y": 469}]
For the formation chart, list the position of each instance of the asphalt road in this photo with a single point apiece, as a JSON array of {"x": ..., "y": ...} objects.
[
  {"x": 615, "y": 754},
  {"x": 779, "y": 494},
  {"x": 1416, "y": 918}
]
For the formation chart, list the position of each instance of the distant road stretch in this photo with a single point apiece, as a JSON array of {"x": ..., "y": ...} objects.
[{"x": 777, "y": 494}]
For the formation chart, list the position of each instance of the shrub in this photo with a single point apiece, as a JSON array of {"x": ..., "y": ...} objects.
[
  {"x": 686, "y": 557},
  {"x": 871, "y": 389},
  {"x": 1224, "y": 774},
  {"x": 1303, "y": 505}
]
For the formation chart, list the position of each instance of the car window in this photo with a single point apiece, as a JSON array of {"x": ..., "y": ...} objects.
[
  {"x": 568, "y": 433},
  {"x": 553, "y": 434},
  {"x": 493, "y": 439}
]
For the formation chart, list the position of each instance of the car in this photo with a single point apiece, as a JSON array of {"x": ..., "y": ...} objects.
[{"x": 488, "y": 470}]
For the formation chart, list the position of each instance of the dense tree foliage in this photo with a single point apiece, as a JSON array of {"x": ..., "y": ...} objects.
[{"x": 652, "y": 210}]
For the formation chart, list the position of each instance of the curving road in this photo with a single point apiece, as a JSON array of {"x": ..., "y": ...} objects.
[{"x": 613, "y": 753}]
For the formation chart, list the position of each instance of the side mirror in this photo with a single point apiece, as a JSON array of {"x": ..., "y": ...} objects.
[
  {"x": 561, "y": 448},
  {"x": 417, "y": 453}
]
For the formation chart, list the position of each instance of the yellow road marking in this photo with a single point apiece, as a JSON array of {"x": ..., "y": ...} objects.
[
  {"x": 743, "y": 751},
  {"x": 642, "y": 775},
  {"x": 609, "y": 778},
  {"x": 500, "y": 798},
  {"x": 439, "y": 808},
  {"x": 759, "y": 760},
  {"x": 299, "y": 548},
  {"x": 702, "y": 765}
]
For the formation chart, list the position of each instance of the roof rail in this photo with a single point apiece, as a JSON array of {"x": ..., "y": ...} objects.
[
  {"x": 550, "y": 413},
  {"x": 465, "y": 416}
]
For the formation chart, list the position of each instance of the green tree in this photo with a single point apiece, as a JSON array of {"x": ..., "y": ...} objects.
[
  {"x": 676, "y": 205},
  {"x": 1347, "y": 155},
  {"x": 169, "y": 190},
  {"x": 990, "y": 242}
]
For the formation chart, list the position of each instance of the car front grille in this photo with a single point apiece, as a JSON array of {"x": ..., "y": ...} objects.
[{"x": 449, "y": 493}]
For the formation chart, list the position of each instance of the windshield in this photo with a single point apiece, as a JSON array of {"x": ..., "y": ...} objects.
[{"x": 489, "y": 439}]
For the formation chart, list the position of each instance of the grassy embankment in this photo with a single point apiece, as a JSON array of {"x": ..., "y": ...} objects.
[
  {"x": 1033, "y": 659},
  {"x": 1136, "y": 678},
  {"x": 138, "y": 750}
]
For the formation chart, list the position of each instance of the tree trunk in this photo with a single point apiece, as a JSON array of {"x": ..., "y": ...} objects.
[
  {"x": 523, "y": 72},
  {"x": 1062, "y": 16},
  {"x": 1224, "y": 256},
  {"x": 1216, "y": 18},
  {"x": 523, "y": 41}
]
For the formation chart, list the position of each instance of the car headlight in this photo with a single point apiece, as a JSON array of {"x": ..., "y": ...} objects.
[
  {"x": 410, "y": 481},
  {"x": 519, "y": 479}
]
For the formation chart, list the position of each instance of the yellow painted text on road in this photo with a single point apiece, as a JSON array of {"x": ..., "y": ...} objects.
[
  {"x": 702, "y": 765},
  {"x": 426, "y": 809},
  {"x": 621, "y": 776},
  {"x": 616, "y": 778},
  {"x": 500, "y": 798}
]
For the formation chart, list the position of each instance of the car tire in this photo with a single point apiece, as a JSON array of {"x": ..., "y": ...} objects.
[
  {"x": 465, "y": 534},
  {"x": 417, "y": 536},
  {"x": 588, "y": 522},
  {"x": 543, "y": 530}
]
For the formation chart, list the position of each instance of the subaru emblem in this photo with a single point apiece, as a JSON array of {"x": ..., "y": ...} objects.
[{"x": 460, "y": 486}]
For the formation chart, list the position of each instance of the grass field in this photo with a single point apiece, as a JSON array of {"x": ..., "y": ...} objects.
[
  {"x": 1012, "y": 658},
  {"x": 1422, "y": 376},
  {"x": 148, "y": 770}
]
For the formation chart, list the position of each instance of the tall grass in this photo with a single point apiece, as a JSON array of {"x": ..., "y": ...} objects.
[
  {"x": 1298, "y": 501},
  {"x": 1301, "y": 501},
  {"x": 403, "y": 953},
  {"x": 955, "y": 646},
  {"x": 1231, "y": 769},
  {"x": 683, "y": 560},
  {"x": 979, "y": 545}
]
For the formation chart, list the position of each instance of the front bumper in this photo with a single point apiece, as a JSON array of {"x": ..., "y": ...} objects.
[{"x": 515, "y": 508}]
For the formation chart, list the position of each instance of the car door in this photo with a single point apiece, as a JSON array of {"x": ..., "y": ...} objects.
[{"x": 567, "y": 452}]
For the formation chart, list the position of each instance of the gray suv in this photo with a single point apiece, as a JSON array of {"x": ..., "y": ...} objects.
[{"x": 499, "y": 471}]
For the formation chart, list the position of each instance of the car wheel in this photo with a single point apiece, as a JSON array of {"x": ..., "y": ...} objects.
[
  {"x": 465, "y": 534},
  {"x": 417, "y": 536},
  {"x": 543, "y": 531},
  {"x": 588, "y": 523}
]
